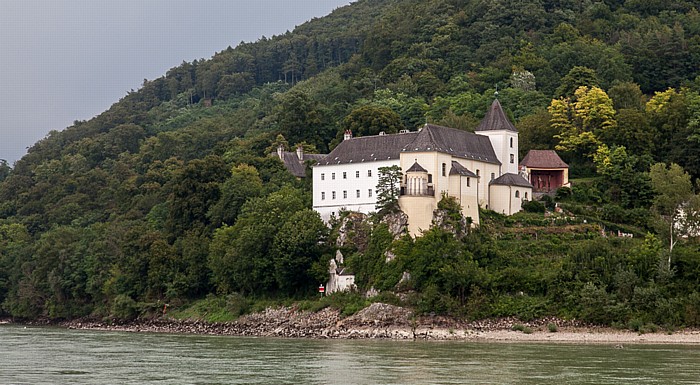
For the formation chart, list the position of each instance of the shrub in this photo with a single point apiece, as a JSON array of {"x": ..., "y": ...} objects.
[
  {"x": 552, "y": 327},
  {"x": 533, "y": 207},
  {"x": 124, "y": 307},
  {"x": 521, "y": 328}
]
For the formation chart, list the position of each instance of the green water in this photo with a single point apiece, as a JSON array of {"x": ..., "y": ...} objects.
[{"x": 58, "y": 356}]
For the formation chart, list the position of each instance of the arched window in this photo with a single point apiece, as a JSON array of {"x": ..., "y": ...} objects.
[
  {"x": 526, "y": 195},
  {"x": 517, "y": 194},
  {"x": 511, "y": 142}
]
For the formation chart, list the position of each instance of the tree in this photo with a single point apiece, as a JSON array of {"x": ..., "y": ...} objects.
[
  {"x": 582, "y": 120},
  {"x": 388, "y": 189},
  {"x": 371, "y": 120},
  {"x": 296, "y": 247},
  {"x": 4, "y": 169},
  {"x": 675, "y": 203},
  {"x": 244, "y": 184},
  {"x": 576, "y": 78}
]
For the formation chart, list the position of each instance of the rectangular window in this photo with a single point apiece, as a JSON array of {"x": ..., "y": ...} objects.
[
  {"x": 512, "y": 158},
  {"x": 323, "y": 176},
  {"x": 369, "y": 173},
  {"x": 358, "y": 193},
  {"x": 345, "y": 194},
  {"x": 430, "y": 178},
  {"x": 345, "y": 175},
  {"x": 493, "y": 176},
  {"x": 333, "y": 196},
  {"x": 444, "y": 169},
  {"x": 369, "y": 193},
  {"x": 333, "y": 176},
  {"x": 357, "y": 174},
  {"x": 323, "y": 195},
  {"x": 468, "y": 182}
]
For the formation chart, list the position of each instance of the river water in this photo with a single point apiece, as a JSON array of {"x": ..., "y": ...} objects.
[{"x": 59, "y": 356}]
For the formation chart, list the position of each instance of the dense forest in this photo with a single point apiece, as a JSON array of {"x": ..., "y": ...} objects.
[{"x": 171, "y": 196}]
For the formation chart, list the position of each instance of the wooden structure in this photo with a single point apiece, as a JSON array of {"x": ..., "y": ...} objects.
[{"x": 546, "y": 171}]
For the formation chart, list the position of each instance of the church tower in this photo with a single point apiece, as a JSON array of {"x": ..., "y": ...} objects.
[{"x": 503, "y": 136}]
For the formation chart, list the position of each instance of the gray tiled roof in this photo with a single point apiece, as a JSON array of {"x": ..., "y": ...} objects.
[
  {"x": 458, "y": 169},
  {"x": 461, "y": 144},
  {"x": 369, "y": 148},
  {"x": 416, "y": 168},
  {"x": 495, "y": 119},
  {"x": 296, "y": 166},
  {"x": 509, "y": 179}
]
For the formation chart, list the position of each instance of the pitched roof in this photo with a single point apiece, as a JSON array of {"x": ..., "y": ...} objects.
[
  {"x": 458, "y": 169},
  {"x": 369, "y": 148},
  {"x": 509, "y": 179},
  {"x": 543, "y": 159},
  {"x": 296, "y": 166},
  {"x": 495, "y": 119},
  {"x": 461, "y": 144},
  {"x": 416, "y": 168}
]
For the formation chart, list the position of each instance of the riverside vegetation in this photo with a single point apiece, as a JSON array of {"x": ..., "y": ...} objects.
[{"x": 171, "y": 197}]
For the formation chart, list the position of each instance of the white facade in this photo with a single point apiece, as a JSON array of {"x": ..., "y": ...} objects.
[
  {"x": 348, "y": 186},
  {"x": 505, "y": 145}
]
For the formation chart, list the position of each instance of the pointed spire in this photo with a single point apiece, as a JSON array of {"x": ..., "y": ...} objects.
[{"x": 495, "y": 119}]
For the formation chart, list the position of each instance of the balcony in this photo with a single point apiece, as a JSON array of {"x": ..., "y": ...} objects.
[{"x": 424, "y": 192}]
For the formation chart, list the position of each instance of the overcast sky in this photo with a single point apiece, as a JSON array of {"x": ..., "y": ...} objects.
[{"x": 67, "y": 60}]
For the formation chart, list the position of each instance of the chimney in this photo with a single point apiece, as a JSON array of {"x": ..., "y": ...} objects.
[
  {"x": 280, "y": 152},
  {"x": 300, "y": 152},
  {"x": 348, "y": 135}
]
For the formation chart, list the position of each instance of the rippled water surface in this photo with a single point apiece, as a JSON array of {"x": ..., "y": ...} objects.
[{"x": 59, "y": 356}]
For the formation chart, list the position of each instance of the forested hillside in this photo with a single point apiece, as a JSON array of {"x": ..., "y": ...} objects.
[{"x": 171, "y": 195}]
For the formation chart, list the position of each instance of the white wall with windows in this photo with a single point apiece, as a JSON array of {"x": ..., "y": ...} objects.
[{"x": 350, "y": 186}]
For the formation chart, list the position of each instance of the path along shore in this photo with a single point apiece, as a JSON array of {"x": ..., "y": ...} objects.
[{"x": 382, "y": 321}]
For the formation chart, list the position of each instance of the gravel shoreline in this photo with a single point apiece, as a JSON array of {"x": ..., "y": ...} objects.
[{"x": 382, "y": 321}]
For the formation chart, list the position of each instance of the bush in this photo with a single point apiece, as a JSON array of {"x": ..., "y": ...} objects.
[
  {"x": 563, "y": 193},
  {"x": 521, "y": 328},
  {"x": 533, "y": 207},
  {"x": 124, "y": 308},
  {"x": 552, "y": 327}
]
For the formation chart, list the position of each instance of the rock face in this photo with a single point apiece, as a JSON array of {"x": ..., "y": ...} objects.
[
  {"x": 397, "y": 222},
  {"x": 354, "y": 230},
  {"x": 458, "y": 227}
]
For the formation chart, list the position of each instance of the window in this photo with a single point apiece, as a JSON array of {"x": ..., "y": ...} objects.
[
  {"x": 511, "y": 142},
  {"x": 430, "y": 178},
  {"x": 345, "y": 174},
  {"x": 333, "y": 195},
  {"x": 468, "y": 182},
  {"x": 345, "y": 194},
  {"x": 493, "y": 176},
  {"x": 369, "y": 193},
  {"x": 369, "y": 173},
  {"x": 478, "y": 173},
  {"x": 444, "y": 169},
  {"x": 323, "y": 176},
  {"x": 526, "y": 195},
  {"x": 512, "y": 158},
  {"x": 357, "y": 174},
  {"x": 323, "y": 195},
  {"x": 357, "y": 193},
  {"x": 517, "y": 194},
  {"x": 333, "y": 176}
]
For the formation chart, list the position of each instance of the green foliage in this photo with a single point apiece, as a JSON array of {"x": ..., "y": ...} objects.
[
  {"x": 388, "y": 189},
  {"x": 533, "y": 207}
]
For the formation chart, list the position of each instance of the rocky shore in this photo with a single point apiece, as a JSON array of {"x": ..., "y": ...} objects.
[{"x": 383, "y": 321}]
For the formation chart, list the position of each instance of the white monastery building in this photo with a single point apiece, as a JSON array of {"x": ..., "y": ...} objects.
[{"x": 477, "y": 169}]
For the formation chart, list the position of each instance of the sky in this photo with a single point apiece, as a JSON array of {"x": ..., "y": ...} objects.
[{"x": 68, "y": 60}]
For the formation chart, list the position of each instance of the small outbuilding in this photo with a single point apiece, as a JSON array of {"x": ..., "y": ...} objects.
[{"x": 545, "y": 170}]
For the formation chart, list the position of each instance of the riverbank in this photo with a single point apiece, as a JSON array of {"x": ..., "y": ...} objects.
[{"x": 382, "y": 321}]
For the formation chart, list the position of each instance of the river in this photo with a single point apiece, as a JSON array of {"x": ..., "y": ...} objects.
[{"x": 42, "y": 355}]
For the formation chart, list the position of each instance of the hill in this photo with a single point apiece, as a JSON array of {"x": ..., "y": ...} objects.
[{"x": 170, "y": 195}]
